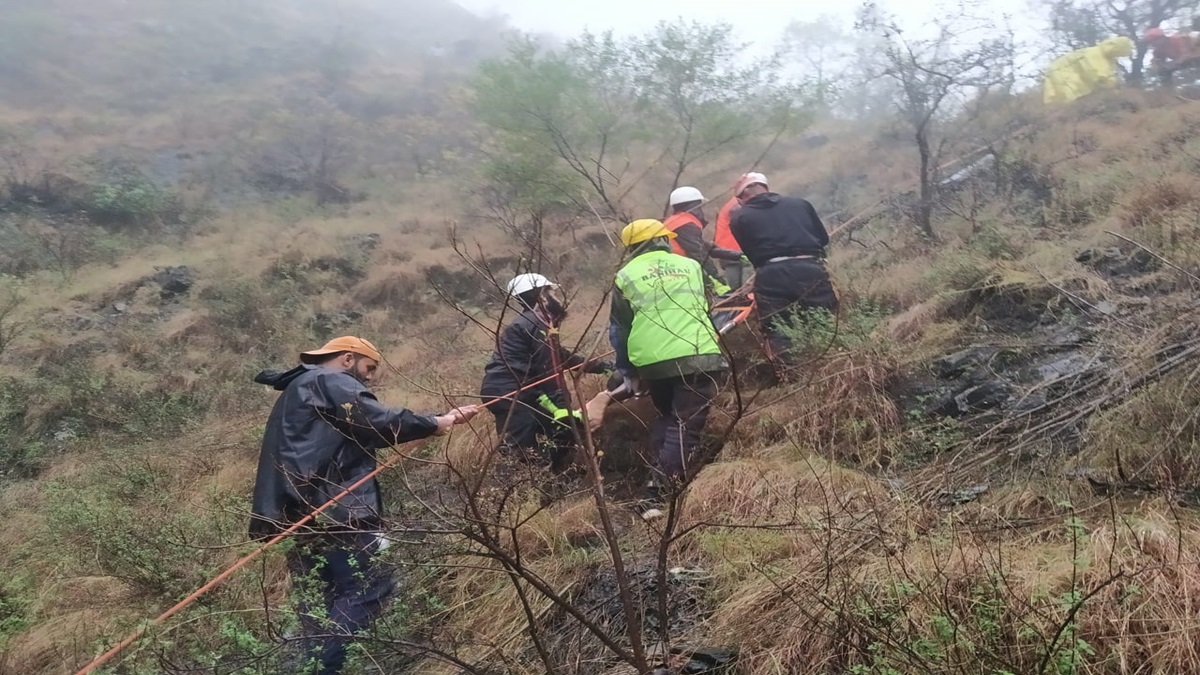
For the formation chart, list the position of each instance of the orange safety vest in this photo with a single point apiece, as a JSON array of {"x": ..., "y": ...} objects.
[
  {"x": 677, "y": 221},
  {"x": 723, "y": 237}
]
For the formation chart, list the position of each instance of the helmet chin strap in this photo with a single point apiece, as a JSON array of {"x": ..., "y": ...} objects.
[{"x": 552, "y": 308}]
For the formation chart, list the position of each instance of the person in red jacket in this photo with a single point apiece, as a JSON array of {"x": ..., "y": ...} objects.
[
  {"x": 1169, "y": 53},
  {"x": 687, "y": 222},
  {"x": 736, "y": 273}
]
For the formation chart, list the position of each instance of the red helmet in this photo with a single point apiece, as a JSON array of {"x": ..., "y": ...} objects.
[
  {"x": 1153, "y": 33},
  {"x": 748, "y": 179}
]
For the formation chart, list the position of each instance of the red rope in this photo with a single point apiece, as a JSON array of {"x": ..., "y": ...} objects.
[{"x": 242, "y": 562}]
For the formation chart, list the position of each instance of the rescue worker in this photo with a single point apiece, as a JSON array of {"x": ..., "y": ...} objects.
[
  {"x": 320, "y": 439},
  {"x": 687, "y": 221},
  {"x": 535, "y": 425},
  {"x": 1169, "y": 53},
  {"x": 662, "y": 329},
  {"x": 785, "y": 240},
  {"x": 1083, "y": 71},
  {"x": 736, "y": 273}
]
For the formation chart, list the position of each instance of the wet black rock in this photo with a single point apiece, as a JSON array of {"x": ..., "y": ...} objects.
[
  {"x": 174, "y": 281},
  {"x": 974, "y": 398},
  {"x": 960, "y": 362}
]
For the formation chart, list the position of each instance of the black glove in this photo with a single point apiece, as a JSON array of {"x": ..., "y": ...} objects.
[{"x": 600, "y": 367}]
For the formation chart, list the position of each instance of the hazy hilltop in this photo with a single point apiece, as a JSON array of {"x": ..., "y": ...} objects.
[
  {"x": 986, "y": 463},
  {"x": 226, "y": 98},
  {"x": 141, "y": 55}
]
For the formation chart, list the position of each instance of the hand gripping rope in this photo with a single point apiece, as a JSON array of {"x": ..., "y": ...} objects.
[{"x": 243, "y": 561}]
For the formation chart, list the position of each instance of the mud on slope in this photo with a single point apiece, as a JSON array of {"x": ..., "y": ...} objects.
[{"x": 1039, "y": 358}]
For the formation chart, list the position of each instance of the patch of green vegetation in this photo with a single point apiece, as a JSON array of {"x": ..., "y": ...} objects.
[
  {"x": 818, "y": 331},
  {"x": 16, "y": 606},
  {"x": 131, "y": 200},
  {"x": 122, "y": 517}
]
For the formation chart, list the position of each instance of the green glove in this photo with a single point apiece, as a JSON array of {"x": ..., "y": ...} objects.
[
  {"x": 560, "y": 414},
  {"x": 548, "y": 405},
  {"x": 746, "y": 261},
  {"x": 720, "y": 288}
]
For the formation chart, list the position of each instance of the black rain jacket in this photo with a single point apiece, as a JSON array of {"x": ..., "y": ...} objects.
[
  {"x": 772, "y": 226},
  {"x": 321, "y": 438},
  {"x": 523, "y": 356}
]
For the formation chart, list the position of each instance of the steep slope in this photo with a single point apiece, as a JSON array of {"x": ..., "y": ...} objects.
[{"x": 914, "y": 503}]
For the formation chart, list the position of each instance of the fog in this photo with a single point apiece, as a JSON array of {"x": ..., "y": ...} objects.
[{"x": 760, "y": 22}]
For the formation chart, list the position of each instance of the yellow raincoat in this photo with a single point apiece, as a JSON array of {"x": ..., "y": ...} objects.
[{"x": 1083, "y": 71}]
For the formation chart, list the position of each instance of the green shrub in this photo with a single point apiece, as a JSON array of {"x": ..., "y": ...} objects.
[
  {"x": 133, "y": 200},
  {"x": 21, "y": 455},
  {"x": 991, "y": 243},
  {"x": 819, "y": 331},
  {"x": 68, "y": 401},
  {"x": 252, "y": 316},
  {"x": 123, "y": 517},
  {"x": 16, "y": 606}
]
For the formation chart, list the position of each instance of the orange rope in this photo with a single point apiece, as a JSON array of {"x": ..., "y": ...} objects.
[{"x": 179, "y": 606}]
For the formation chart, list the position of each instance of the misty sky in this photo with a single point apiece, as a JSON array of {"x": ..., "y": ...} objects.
[{"x": 759, "y": 21}]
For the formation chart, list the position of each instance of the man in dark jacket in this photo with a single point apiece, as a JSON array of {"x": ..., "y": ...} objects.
[
  {"x": 320, "y": 439},
  {"x": 785, "y": 240},
  {"x": 527, "y": 351}
]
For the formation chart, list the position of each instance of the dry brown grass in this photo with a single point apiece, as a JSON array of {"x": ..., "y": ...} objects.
[
  {"x": 1001, "y": 599},
  {"x": 486, "y": 617},
  {"x": 839, "y": 409},
  {"x": 1150, "y": 438},
  {"x": 774, "y": 489},
  {"x": 809, "y": 555}
]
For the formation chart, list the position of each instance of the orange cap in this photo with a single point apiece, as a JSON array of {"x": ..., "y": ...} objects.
[{"x": 346, "y": 343}]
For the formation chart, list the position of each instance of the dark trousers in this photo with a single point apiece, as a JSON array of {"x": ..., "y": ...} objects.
[
  {"x": 341, "y": 588},
  {"x": 682, "y": 403},
  {"x": 786, "y": 290},
  {"x": 736, "y": 273},
  {"x": 528, "y": 433}
]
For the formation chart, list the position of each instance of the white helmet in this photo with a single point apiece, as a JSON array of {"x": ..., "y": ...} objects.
[
  {"x": 523, "y": 283},
  {"x": 684, "y": 195}
]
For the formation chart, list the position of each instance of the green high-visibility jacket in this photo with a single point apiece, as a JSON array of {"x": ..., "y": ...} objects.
[{"x": 671, "y": 322}]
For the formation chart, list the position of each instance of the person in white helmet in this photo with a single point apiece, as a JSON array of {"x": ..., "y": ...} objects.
[
  {"x": 525, "y": 354},
  {"x": 687, "y": 221}
]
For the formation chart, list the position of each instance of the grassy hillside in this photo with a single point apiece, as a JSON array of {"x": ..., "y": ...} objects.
[{"x": 987, "y": 464}]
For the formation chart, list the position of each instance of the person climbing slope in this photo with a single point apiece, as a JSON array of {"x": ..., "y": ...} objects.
[
  {"x": 662, "y": 328},
  {"x": 785, "y": 240},
  {"x": 687, "y": 221},
  {"x": 536, "y": 424},
  {"x": 736, "y": 272},
  {"x": 320, "y": 439}
]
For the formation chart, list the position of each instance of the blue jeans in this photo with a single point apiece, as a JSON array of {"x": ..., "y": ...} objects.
[{"x": 340, "y": 572}]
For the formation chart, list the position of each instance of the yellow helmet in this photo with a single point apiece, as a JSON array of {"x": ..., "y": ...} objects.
[{"x": 644, "y": 230}]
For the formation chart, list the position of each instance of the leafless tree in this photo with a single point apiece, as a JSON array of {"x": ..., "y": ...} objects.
[
  {"x": 935, "y": 78},
  {"x": 11, "y": 324}
]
